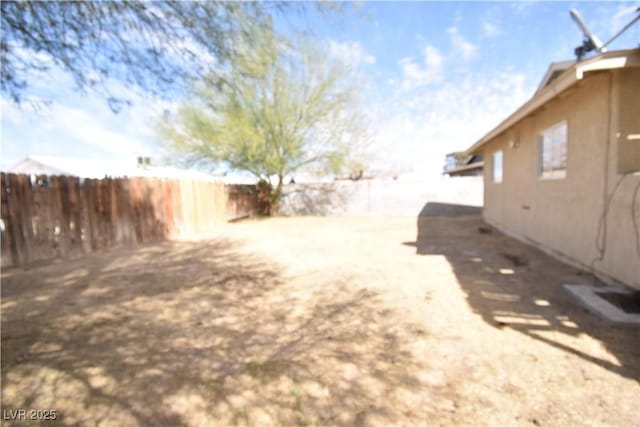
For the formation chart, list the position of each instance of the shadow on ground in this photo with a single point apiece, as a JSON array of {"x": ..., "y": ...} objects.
[
  {"x": 512, "y": 285},
  {"x": 183, "y": 333}
]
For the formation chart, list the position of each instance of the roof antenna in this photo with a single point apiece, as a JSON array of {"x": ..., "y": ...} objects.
[{"x": 591, "y": 41}]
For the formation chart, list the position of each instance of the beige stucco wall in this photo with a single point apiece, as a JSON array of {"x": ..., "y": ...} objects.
[{"x": 565, "y": 216}]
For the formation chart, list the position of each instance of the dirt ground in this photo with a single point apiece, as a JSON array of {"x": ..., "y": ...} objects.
[{"x": 316, "y": 321}]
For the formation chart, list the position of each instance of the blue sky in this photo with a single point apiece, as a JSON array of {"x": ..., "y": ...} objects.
[{"x": 438, "y": 75}]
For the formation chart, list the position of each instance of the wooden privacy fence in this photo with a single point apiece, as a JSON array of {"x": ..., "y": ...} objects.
[
  {"x": 241, "y": 201},
  {"x": 48, "y": 217}
]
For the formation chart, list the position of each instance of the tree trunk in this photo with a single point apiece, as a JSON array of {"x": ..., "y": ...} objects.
[
  {"x": 264, "y": 197},
  {"x": 275, "y": 197}
]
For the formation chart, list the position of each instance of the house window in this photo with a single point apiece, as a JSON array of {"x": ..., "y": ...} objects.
[
  {"x": 553, "y": 152},
  {"x": 496, "y": 170}
]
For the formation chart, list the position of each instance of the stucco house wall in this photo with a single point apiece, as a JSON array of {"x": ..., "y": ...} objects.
[{"x": 591, "y": 217}]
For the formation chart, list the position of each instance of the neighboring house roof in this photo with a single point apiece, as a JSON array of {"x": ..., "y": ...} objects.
[
  {"x": 97, "y": 168},
  {"x": 474, "y": 159},
  {"x": 465, "y": 168},
  {"x": 552, "y": 87},
  {"x": 244, "y": 178},
  {"x": 472, "y": 162}
]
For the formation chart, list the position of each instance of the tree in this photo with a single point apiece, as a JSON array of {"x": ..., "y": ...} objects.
[
  {"x": 160, "y": 46},
  {"x": 281, "y": 107}
]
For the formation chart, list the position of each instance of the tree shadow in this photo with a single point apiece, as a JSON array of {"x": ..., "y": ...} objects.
[
  {"x": 199, "y": 333},
  {"x": 515, "y": 286}
]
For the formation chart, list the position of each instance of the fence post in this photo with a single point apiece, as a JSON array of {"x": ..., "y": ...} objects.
[{"x": 8, "y": 244}]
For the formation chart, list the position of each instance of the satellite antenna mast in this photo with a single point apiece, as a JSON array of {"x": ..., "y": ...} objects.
[{"x": 591, "y": 41}]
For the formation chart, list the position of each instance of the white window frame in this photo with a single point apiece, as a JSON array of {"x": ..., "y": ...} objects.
[
  {"x": 496, "y": 177},
  {"x": 553, "y": 143}
]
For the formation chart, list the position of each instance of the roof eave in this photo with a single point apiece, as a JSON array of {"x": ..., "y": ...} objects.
[
  {"x": 472, "y": 166},
  {"x": 567, "y": 79},
  {"x": 32, "y": 160},
  {"x": 555, "y": 66}
]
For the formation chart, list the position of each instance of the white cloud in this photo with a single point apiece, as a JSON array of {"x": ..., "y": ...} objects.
[
  {"x": 10, "y": 112},
  {"x": 422, "y": 126},
  {"x": 432, "y": 57},
  {"x": 85, "y": 127},
  {"x": 490, "y": 30},
  {"x": 77, "y": 125},
  {"x": 417, "y": 75},
  {"x": 350, "y": 53},
  {"x": 522, "y": 7},
  {"x": 462, "y": 46},
  {"x": 67, "y": 126},
  {"x": 623, "y": 15}
]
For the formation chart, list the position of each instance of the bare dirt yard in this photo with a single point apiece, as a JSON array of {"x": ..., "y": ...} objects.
[{"x": 316, "y": 321}]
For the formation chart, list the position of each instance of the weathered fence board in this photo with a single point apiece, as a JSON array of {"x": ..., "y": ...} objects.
[
  {"x": 8, "y": 245},
  {"x": 242, "y": 201},
  {"x": 46, "y": 217}
]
